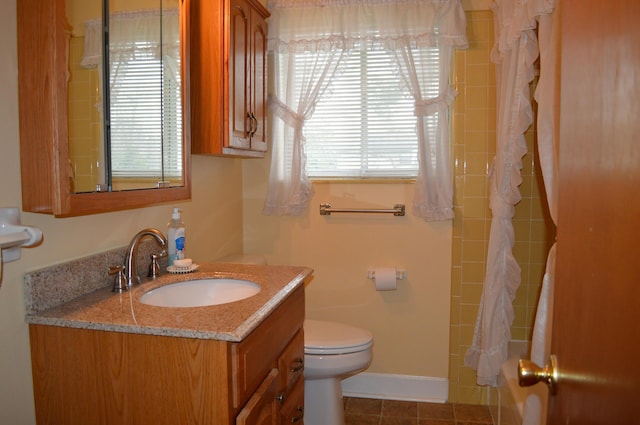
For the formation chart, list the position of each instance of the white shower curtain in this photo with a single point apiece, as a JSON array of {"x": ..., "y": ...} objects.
[{"x": 515, "y": 51}]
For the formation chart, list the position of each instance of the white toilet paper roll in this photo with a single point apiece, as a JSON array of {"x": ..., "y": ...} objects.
[{"x": 385, "y": 279}]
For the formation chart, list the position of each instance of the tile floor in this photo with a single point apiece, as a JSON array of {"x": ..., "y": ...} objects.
[{"x": 363, "y": 411}]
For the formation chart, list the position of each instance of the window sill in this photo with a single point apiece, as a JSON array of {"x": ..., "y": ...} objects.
[{"x": 346, "y": 180}]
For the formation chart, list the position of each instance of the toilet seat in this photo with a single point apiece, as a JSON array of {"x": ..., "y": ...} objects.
[{"x": 329, "y": 338}]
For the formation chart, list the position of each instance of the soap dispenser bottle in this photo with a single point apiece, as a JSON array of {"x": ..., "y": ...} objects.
[{"x": 176, "y": 236}]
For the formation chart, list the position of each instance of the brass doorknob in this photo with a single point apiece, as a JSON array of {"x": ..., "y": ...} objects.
[{"x": 530, "y": 373}]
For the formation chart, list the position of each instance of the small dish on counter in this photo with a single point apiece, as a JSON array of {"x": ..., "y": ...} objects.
[{"x": 177, "y": 270}]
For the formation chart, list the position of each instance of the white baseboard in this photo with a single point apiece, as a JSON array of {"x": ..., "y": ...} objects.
[{"x": 397, "y": 387}]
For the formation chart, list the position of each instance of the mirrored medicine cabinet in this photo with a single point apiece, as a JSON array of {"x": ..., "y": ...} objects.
[{"x": 104, "y": 124}]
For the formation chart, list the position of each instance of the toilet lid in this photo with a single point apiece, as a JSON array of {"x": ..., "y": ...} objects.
[{"x": 322, "y": 337}]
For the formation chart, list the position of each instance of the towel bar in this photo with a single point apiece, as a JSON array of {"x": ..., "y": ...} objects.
[{"x": 398, "y": 210}]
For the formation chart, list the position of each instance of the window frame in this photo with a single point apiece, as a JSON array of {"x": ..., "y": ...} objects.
[{"x": 384, "y": 59}]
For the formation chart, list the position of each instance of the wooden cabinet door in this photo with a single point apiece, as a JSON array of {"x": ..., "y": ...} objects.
[
  {"x": 239, "y": 85},
  {"x": 247, "y": 74},
  {"x": 262, "y": 407},
  {"x": 291, "y": 366},
  {"x": 291, "y": 362},
  {"x": 228, "y": 69},
  {"x": 90, "y": 377},
  {"x": 292, "y": 410},
  {"x": 258, "y": 83}
]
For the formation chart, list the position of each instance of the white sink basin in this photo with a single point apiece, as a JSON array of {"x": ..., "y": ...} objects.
[{"x": 200, "y": 293}]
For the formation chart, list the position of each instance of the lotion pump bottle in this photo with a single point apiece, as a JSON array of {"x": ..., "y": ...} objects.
[{"x": 176, "y": 237}]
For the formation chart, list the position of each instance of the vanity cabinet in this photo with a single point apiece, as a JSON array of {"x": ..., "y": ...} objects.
[
  {"x": 84, "y": 376},
  {"x": 228, "y": 77}
]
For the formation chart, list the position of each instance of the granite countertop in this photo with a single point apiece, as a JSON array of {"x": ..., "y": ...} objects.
[{"x": 105, "y": 310}]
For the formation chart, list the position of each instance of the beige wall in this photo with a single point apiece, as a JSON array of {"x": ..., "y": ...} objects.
[
  {"x": 410, "y": 325},
  {"x": 213, "y": 217}
]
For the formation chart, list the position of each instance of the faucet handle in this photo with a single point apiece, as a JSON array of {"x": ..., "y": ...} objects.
[
  {"x": 120, "y": 283},
  {"x": 154, "y": 267}
]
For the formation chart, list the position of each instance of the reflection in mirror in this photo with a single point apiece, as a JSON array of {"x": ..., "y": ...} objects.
[{"x": 130, "y": 138}]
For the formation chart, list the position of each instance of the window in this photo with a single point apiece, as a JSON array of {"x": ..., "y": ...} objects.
[
  {"x": 146, "y": 120},
  {"x": 353, "y": 80},
  {"x": 365, "y": 126}
]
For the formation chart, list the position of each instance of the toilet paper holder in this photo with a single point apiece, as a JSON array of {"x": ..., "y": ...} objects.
[{"x": 400, "y": 274}]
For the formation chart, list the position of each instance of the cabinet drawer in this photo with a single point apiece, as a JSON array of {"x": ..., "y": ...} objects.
[
  {"x": 262, "y": 408},
  {"x": 291, "y": 362},
  {"x": 292, "y": 410},
  {"x": 253, "y": 358}
]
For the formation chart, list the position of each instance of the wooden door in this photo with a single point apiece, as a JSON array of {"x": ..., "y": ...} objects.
[{"x": 596, "y": 324}]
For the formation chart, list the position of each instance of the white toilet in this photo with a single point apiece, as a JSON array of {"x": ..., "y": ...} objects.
[{"x": 332, "y": 352}]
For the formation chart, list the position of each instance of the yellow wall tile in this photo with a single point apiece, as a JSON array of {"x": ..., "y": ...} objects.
[
  {"x": 476, "y": 120},
  {"x": 473, "y": 251},
  {"x": 475, "y": 186},
  {"x": 476, "y": 97},
  {"x": 476, "y": 141},
  {"x": 471, "y": 293},
  {"x": 85, "y": 126},
  {"x": 475, "y": 207},
  {"x": 473, "y": 230},
  {"x": 477, "y": 75},
  {"x": 522, "y": 228},
  {"x": 472, "y": 272}
]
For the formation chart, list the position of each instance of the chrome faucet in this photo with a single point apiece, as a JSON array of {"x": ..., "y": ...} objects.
[{"x": 130, "y": 262}]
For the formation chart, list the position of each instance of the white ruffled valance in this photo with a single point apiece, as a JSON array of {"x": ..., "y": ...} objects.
[
  {"x": 149, "y": 33},
  {"x": 312, "y": 25}
]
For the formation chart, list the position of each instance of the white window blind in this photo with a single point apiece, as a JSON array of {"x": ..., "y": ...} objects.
[
  {"x": 146, "y": 118},
  {"x": 365, "y": 126}
]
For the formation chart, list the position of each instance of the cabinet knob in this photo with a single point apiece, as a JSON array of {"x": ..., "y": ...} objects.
[
  {"x": 298, "y": 365},
  {"x": 280, "y": 397},
  {"x": 300, "y": 416}
]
